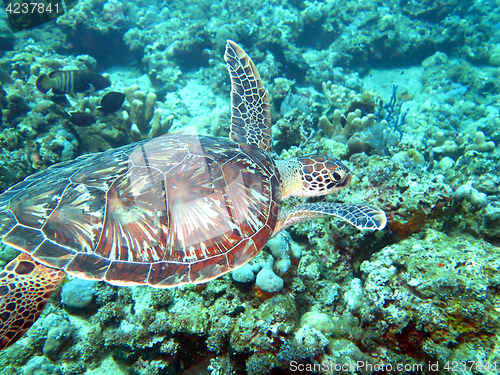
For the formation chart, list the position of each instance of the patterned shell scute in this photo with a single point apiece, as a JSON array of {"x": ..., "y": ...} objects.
[
  {"x": 164, "y": 212},
  {"x": 49, "y": 199}
]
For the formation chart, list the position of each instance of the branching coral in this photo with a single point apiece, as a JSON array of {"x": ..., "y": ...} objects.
[
  {"x": 362, "y": 121},
  {"x": 342, "y": 127},
  {"x": 339, "y": 96},
  {"x": 352, "y": 113},
  {"x": 480, "y": 144},
  {"x": 445, "y": 146},
  {"x": 146, "y": 121}
]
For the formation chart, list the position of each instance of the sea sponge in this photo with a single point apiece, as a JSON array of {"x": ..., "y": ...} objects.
[
  {"x": 318, "y": 321},
  {"x": 268, "y": 281},
  {"x": 284, "y": 252},
  {"x": 354, "y": 296},
  {"x": 312, "y": 339},
  {"x": 224, "y": 32},
  {"x": 470, "y": 194},
  {"x": 40, "y": 365},
  {"x": 244, "y": 274},
  {"x": 78, "y": 293},
  {"x": 446, "y": 163},
  {"x": 280, "y": 247},
  {"x": 281, "y": 88},
  {"x": 59, "y": 330},
  {"x": 410, "y": 158},
  {"x": 379, "y": 137}
]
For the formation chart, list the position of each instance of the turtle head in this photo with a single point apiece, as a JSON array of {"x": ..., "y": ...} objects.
[{"x": 312, "y": 176}]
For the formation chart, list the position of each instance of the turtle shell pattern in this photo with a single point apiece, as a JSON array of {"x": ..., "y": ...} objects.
[{"x": 173, "y": 210}]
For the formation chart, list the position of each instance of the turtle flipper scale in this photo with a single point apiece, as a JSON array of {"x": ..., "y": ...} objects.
[
  {"x": 362, "y": 216},
  {"x": 25, "y": 288},
  {"x": 250, "y": 109}
]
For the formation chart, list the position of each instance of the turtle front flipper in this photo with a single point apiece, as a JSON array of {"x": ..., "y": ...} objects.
[
  {"x": 362, "y": 216},
  {"x": 250, "y": 111},
  {"x": 25, "y": 289}
]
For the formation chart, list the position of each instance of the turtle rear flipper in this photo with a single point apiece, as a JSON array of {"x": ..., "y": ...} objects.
[
  {"x": 25, "y": 289},
  {"x": 362, "y": 216}
]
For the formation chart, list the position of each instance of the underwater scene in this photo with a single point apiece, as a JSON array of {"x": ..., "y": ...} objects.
[{"x": 249, "y": 187}]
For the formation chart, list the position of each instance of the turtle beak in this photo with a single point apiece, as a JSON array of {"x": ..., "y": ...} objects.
[
  {"x": 347, "y": 180},
  {"x": 341, "y": 175}
]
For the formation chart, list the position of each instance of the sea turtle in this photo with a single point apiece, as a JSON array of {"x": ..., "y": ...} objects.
[{"x": 163, "y": 212}]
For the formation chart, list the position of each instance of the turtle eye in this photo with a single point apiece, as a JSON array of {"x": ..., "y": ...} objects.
[{"x": 338, "y": 175}]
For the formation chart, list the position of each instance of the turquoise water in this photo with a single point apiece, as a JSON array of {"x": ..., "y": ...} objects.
[{"x": 404, "y": 94}]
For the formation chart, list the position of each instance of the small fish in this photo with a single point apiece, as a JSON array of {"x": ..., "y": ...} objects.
[
  {"x": 111, "y": 102},
  {"x": 60, "y": 100},
  {"x": 81, "y": 118},
  {"x": 61, "y": 112},
  {"x": 70, "y": 81}
]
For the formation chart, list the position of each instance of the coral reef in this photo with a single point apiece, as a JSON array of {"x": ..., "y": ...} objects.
[
  {"x": 405, "y": 93},
  {"x": 94, "y": 24},
  {"x": 403, "y": 284}
]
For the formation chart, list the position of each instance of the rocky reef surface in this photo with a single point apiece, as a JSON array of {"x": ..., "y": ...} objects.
[{"x": 405, "y": 93}]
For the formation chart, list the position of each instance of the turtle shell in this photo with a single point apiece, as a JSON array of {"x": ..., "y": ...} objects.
[{"x": 163, "y": 212}]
